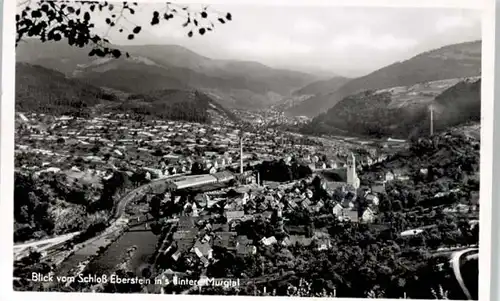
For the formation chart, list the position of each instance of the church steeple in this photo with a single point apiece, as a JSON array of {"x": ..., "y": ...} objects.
[{"x": 352, "y": 177}]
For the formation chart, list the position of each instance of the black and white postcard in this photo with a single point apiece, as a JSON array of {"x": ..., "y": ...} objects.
[{"x": 248, "y": 149}]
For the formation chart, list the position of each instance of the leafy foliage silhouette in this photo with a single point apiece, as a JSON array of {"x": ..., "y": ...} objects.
[{"x": 75, "y": 21}]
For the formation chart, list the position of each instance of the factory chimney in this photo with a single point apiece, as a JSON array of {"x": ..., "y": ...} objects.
[{"x": 241, "y": 155}]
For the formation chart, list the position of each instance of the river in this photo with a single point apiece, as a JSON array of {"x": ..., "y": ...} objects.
[{"x": 142, "y": 238}]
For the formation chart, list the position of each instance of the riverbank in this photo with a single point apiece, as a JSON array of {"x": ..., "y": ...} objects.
[{"x": 103, "y": 248}]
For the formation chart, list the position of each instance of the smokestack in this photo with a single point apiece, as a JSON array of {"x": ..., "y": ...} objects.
[
  {"x": 241, "y": 155},
  {"x": 432, "y": 120}
]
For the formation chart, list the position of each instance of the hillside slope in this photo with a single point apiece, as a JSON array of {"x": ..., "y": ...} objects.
[
  {"x": 452, "y": 61},
  {"x": 322, "y": 87},
  {"x": 451, "y": 160},
  {"x": 173, "y": 104},
  {"x": 403, "y": 111},
  {"x": 42, "y": 90}
]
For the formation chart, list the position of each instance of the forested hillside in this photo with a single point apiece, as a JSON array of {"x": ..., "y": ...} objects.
[
  {"x": 173, "y": 105},
  {"x": 382, "y": 114},
  {"x": 42, "y": 90},
  {"x": 452, "y": 61}
]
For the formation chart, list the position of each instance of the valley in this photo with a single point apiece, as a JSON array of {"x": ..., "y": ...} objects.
[
  {"x": 172, "y": 82},
  {"x": 171, "y": 163}
]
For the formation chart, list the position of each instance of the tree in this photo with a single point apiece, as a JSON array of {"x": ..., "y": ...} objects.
[
  {"x": 197, "y": 168},
  {"x": 155, "y": 206},
  {"x": 396, "y": 205},
  {"x": 74, "y": 22}
]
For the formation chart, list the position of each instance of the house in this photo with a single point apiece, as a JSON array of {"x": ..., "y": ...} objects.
[
  {"x": 176, "y": 255},
  {"x": 226, "y": 240},
  {"x": 372, "y": 199},
  {"x": 250, "y": 205},
  {"x": 296, "y": 240},
  {"x": 293, "y": 204},
  {"x": 337, "y": 210},
  {"x": 459, "y": 208},
  {"x": 368, "y": 216},
  {"x": 245, "y": 249},
  {"x": 244, "y": 246},
  {"x": 224, "y": 176},
  {"x": 378, "y": 187},
  {"x": 221, "y": 162},
  {"x": 306, "y": 203},
  {"x": 319, "y": 205},
  {"x": 323, "y": 244},
  {"x": 206, "y": 238},
  {"x": 220, "y": 227},
  {"x": 332, "y": 164},
  {"x": 350, "y": 215},
  {"x": 401, "y": 175},
  {"x": 194, "y": 210},
  {"x": 184, "y": 235},
  {"x": 202, "y": 249},
  {"x": 389, "y": 176},
  {"x": 320, "y": 165},
  {"x": 267, "y": 241},
  {"x": 231, "y": 206},
  {"x": 205, "y": 261},
  {"x": 267, "y": 214},
  {"x": 295, "y": 230}
]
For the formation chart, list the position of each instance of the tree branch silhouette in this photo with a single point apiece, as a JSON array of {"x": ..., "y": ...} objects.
[{"x": 74, "y": 22}]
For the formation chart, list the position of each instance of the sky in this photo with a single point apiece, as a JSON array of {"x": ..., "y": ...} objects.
[{"x": 348, "y": 41}]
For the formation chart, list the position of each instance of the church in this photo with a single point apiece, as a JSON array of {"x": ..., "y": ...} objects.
[{"x": 342, "y": 177}]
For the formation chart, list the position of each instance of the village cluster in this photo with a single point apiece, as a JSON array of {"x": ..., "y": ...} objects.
[
  {"x": 95, "y": 147},
  {"x": 216, "y": 197}
]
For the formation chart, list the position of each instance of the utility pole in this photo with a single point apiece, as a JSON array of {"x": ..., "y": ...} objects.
[{"x": 432, "y": 120}]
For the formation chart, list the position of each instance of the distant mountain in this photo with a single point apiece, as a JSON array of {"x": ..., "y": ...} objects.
[
  {"x": 403, "y": 111},
  {"x": 453, "y": 61},
  {"x": 43, "y": 90},
  {"x": 323, "y": 86},
  {"x": 156, "y": 67},
  {"x": 297, "y": 104},
  {"x": 174, "y": 105}
]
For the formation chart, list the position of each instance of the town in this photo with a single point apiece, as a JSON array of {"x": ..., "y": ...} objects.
[
  {"x": 275, "y": 150},
  {"x": 209, "y": 200}
]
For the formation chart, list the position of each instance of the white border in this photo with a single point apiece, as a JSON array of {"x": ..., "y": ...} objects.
[
  {"x": 7, "y": 142},
  {"x": 486, "y": 159}
]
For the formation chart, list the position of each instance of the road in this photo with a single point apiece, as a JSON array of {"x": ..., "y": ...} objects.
[
  {"x": 51, "y": 244},
  {"x": 456, "y": 258},
  {"x": 21, "y": 250}
]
